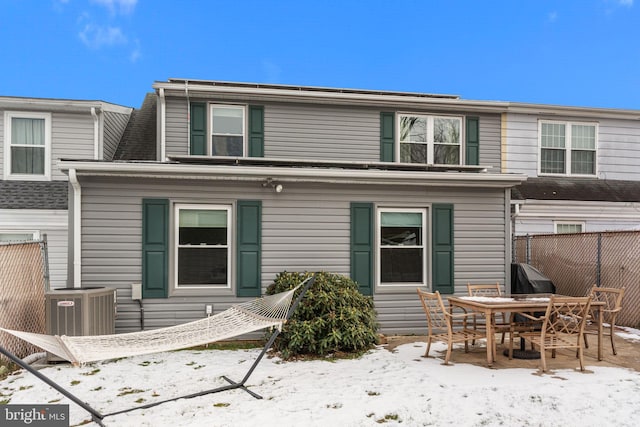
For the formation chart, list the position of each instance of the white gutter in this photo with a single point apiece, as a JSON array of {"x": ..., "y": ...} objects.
[
  {"x": 287, "y": 174},
  {"x": 161, "y": 125},
  {"x": 77, "y": 241},
  {"x": 96, "y": 135}
]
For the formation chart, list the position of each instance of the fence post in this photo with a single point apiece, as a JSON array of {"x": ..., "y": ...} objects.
[
  {"x": 45, "y": 261},
  {"x": 599, "y": 259},
  {"x": 528, "y": 249}
]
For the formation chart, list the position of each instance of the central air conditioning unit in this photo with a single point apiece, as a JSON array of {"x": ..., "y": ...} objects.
[{"x": 79, "y": 312}]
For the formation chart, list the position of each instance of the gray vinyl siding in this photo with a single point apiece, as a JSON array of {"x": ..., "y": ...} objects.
[
  {"x": 71, "y": 138},
  {"x": 113, "y": 128},
  {"x": 1, "y": 143},
  {"x": 305, "y": 228},
  {"x": 318, "y": 132},
  {"x": 490, "y": 127},
  {"x": 618, "y": 152},
  {"x": 176, "y": 127}
]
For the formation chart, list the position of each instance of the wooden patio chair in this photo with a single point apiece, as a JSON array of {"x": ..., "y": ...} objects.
[
  {"x": 562, "y": 327},
  {"x": 612, "y": 298},
  {"x": 502, "y": 325},
  {"x": 443, "y": 325}
]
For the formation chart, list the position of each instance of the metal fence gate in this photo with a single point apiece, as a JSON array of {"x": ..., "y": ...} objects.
[
  {"x": 576, "y": 262},
  {"x": 23, "y": 283}
]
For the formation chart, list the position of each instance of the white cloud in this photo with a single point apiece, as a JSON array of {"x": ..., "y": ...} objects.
[
  {"x": 124, "y": 7},
  {"x": 96, "y": 36},
  {"x": 136, "y": 52},
  {"x": 552, "y": 17},
  {"x": 626, "y": 2}
]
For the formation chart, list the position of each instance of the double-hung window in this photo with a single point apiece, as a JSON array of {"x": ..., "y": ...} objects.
[
  {"x": 402, "y": 249},
  {"x": 430, "y": 139},
  {"x": 567, "y": 148},
  {"x": 203, "y": 240},
  {"x": 27, "y": 146},
  {"x": 227, "y": 130}
]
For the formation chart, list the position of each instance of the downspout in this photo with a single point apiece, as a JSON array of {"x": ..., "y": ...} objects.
[
  {"x": 77, "y": 241},
  {"x": 96, "y": 134},
  {"x": 161, "y": 125}
]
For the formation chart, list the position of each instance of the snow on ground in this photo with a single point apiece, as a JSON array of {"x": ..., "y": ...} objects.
[{"x": 381, "y": 388}]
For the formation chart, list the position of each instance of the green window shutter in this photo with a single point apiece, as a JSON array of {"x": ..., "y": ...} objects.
[
  {"x": 362, "y": 246},
  {"x": 155, "y": 248},
  {"x": 473, "y": 141},
  {"x": 256, "y": 131},
  {"x": 249, "y": 251},
  {"x": 442, "y": 245},
  {"x": 387, "y": 137},
  {"x": 198, "y": 126}
]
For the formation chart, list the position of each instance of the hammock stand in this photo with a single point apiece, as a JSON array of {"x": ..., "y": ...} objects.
[{"x": 98, "y": 417}]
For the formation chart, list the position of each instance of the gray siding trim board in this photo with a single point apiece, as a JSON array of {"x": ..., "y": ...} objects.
[{"x": 305, "y": 228}]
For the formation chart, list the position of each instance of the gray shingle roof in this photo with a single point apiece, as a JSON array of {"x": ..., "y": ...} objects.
[
  {"x": 33, "y": 194},
  {"x": 138, "y": 141},
  {"x": 587, "y": 189}
]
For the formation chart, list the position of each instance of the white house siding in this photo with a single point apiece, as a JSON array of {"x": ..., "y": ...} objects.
[
  {"x": 71, "y": 138},
  {"x": 538, "y": 216},
  {"x": 176, "y": 126},
  {"x": 305, "y": 228},
  {"x": 53, "y": 223},
  {"x": 618, "y": 146},
  {"x": 490, "y": 127}
]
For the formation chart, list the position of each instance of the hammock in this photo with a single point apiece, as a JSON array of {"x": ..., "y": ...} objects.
[
  {"x": 239, "y": 319},
  {"x": 242, "y": 318}
]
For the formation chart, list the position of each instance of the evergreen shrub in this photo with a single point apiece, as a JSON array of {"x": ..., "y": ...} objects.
[{"x": 333, "y": 317}]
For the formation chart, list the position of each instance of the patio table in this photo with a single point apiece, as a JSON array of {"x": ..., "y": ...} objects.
[{"x": 521, "y": 303}]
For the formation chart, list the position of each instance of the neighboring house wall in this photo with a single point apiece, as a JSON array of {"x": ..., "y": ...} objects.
[
  {"x": 306, "y": 227},
  {"x": 618, "y": 145},
  {"x": 617, "y": 159},
  {"x": 51, "y": 222}
]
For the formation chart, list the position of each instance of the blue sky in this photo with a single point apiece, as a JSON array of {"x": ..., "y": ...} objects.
[{"x": 567, "y": 52}]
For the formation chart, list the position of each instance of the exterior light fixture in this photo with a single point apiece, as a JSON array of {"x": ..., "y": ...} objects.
[{"x": 269, "y": 182}]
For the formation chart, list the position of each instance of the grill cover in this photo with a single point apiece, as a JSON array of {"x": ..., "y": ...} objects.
[{"x": 525, "y": 279}]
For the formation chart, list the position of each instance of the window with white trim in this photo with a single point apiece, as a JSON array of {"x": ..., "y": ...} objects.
[
  {"x": 568, "y": 227},
  {"x": 203, "y": 246},
  {"x": 19, "y": 236},
  {"x": 568, "y": 148},
  {"x": 227, "y": 130},
  {"x": 27, "y": 154},
  {"x": 429, "y": 139},
  {"x": 402, "y": 246}
]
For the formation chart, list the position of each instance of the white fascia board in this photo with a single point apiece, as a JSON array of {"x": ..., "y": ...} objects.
[
  {"x": 284, "y": 174},
  {"x": 582, "y": 209},
  {"x": 568, "y": 111},
  {"x": 388, "y": 99},
  {"x": 45, "y": 219},
  {"x": 63, "y": 105}
]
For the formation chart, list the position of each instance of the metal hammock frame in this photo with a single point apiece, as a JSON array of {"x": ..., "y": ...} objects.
[{"x": 98, "y": 417}]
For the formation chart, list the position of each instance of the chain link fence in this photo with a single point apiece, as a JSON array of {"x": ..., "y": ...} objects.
[
  {"x": 23, "y": 283},
  {"x": 576, "y": 262}
]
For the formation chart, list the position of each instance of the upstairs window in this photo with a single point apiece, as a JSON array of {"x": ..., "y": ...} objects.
[
  {"x": 430, "y": 139},
  {"x": 567, "y": 148},
  {"x": 27, "y": 146},
  {"x": 227, "y": 130}
]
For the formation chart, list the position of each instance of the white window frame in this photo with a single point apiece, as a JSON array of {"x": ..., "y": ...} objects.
[
  {"x": 35, "y": 235},
  {"x": 176, "y": 245},
  {"x": 581, "y": 224},
  {"x": 568, "y": 149},
  {"x": 210, "y": 126},
  {"x": 429, "y": 135},
  {"x": 8, "y": 116},
  {"x": 426, "y": 248}
]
